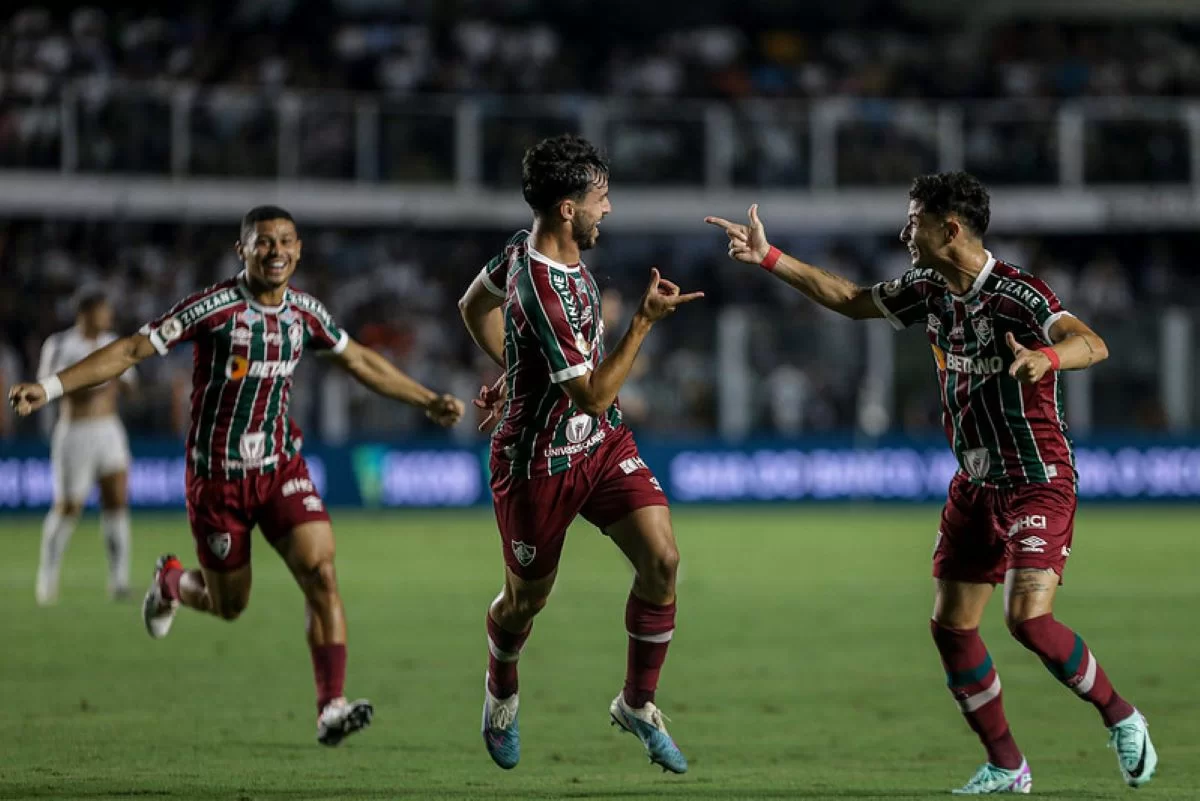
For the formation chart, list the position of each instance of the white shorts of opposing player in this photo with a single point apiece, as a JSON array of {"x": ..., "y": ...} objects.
[{"x": 81, "y": 453}]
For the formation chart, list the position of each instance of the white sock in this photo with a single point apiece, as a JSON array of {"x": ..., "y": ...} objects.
[
  {"x": 114, "y": 525},
  {"x": 56, "y": 533}
]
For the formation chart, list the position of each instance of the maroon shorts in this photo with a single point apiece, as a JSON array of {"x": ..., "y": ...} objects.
[
  {"x": 223, "y": 512},
  {"x": 534, "y": 513},
  {"x": 987, "y": 531}
]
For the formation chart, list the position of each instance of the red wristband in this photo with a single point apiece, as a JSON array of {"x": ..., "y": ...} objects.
[
  {"x": 1052, "y": 355},
  {"x": 768, "y": 262}
]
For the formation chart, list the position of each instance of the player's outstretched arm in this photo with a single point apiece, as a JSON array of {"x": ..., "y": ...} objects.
[
  {"x": 594, "y": 391},
  {"x": 379, "y": 375},
  {"x": 103, "y": 365},
  {"x": 748, "y": 244},
  {"x": 1076, "y": 347},
  {"x": 483, "y": 313}
]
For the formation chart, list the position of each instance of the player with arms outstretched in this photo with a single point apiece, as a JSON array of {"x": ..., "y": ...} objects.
[
  {"x": 999, "y": 337},
  {"x": 89, "y": 448},
  {"x": 561, "y": 449},
  {"x": 243, "y": 452}
]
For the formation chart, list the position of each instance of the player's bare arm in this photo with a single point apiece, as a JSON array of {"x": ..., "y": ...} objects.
[
  {"x": 1076, "y": 346},
  {"x": 594, "y": 391},
  {"x": 748, "y": 244},
  {"x": 104, "y": 365},
  {"x": 379, "y": 375},
  {"x": 483, "y": 314}
]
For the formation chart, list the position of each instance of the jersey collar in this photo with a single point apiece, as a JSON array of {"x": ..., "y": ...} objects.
[
  {"x": 244, "y": 288},
  {"x": 535, "y": 254},
  {"x": 980, "y": 279}
]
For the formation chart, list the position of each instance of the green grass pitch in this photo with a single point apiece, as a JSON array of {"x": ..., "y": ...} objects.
[{"x": 802, "y": 667}]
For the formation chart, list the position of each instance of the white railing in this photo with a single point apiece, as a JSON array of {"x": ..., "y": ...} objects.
[{"x": 477, "y": 141}]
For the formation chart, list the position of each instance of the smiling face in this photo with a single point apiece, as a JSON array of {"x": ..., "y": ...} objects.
[
  {"x": 270, "y": 252},
  {"x": 925, "y": 235}
]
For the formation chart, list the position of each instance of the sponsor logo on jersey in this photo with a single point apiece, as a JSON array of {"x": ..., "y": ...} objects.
[
  {"x": 583, "y": 345},
  {"x": 933, "y": 324},
  {"x": 1027, "y": 522},
  {"x": 252, "y": 448},
  {"x": 171, "y": 329},
  {"x": 287, "y": 316},
  {"x": 891, "y": 288},
  {"x": 580, "y": 447},
  {"x": 654, "y": 483},
  {"x": 220, "y": 544},
  {"x": 983, "y": 330},
  {"x": 296, "y": 335},
  {"x": 578, "y": 428},
  {"x": 632, "y": 465},
  {"x": 1033, "y": 544},
  {"x": 562, "y": 286},
  {"x": 239, "y": 367},
  {"x": 250, "y": 316},
  {"x": 312, "y": 503},
  {"x": 241, "y": 336},
  {"x": 524, "y": 553},
  {"x": 974, "y": 366},
  {"x": 312, "y": 306},
  {"x": 977, "y": 462},
  {"x": 205, "y": 305},
  {"x": 956, "y": 332},
  {"x": 297, "y": 485},
  {"x": 273, "y": 338}
]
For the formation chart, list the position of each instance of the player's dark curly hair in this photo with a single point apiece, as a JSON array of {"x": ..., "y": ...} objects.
[
  {"x": 262, "y": 214},
  {"x": 560, "y": 167},
  {"x": 958, "y": 193}
]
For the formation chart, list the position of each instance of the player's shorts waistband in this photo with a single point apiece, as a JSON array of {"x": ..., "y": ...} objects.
[
  {"x": 88, "y": 423},
  {"x": 265, "y": 465}
]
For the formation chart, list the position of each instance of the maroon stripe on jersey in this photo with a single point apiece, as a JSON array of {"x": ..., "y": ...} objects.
[
  {"x": 208, "y": 385},
  {"x": 264, "y": 385}
]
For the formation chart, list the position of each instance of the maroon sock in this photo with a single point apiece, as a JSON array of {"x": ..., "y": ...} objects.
[
  {"x": 169, "y": 580},
  {"x": 329, "y": 672},
  {"x": 1068, "y": 658},
  {"x": 504, "y": 649},
  {"x": 650, "y": 628},
  {"x": 976, "y": 688}
]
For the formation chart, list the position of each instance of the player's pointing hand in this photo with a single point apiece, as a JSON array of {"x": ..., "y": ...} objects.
[
  {"x": 662, "y": 298},
  {"x": 445, "y": 410},
  {"x": 1029, "y": 366},
  {"x": 26, "y": 399},
  {"x": 747, "y": 243}
]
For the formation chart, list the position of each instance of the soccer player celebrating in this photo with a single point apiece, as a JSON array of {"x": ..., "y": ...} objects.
[
  {"x": 89, "y": 447},
  {"x": 1000, "y": 337},
  {"x": 244, "y": 462},
  {"x": 560, "y": 449}
]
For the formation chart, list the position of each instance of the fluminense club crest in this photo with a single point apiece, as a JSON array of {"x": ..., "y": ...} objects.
[
  {"x": 983, "y": 329},
  {"x": 524, "y": 553}
]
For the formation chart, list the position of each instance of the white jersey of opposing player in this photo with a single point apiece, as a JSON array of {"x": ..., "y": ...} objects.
[{"x": 87, "y": 449}]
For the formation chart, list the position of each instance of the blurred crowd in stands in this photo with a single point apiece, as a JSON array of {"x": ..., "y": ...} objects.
[{"x": 396, "y": 289}]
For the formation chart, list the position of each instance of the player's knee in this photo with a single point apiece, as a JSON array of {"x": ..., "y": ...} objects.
[
  {"x": 231, "y": 608},
  {"x": 660, "y": 569},
  {"x": 320, "y": 580},
  {"x": 1024, "y": 629},
  {"x": 69, "y": 508},
  {"x": 526, "y": 605}
]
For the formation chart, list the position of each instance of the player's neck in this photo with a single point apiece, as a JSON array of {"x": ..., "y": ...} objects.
[
  {"x": 86, "y": 331},
  {"x": 554, "y": 243},
  {"x": 265, "y": 295},
  {"x": 962, "y": 267}
]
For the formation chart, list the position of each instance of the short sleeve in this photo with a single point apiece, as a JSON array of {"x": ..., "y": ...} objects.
[
  {"x": 903, "y": 301},
  {"x": 494, "y": 275},
  {"x": 178, "y": 325},
  {"x": 544, "y": 295},
  {"x": 1036, "y": 304},
  {"x": 323, "y": 332}
]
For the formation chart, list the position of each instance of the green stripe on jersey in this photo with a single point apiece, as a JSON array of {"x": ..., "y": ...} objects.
[
  {"x": 539, "y": 319},
  {"x": 247, "y": 390},
  {"x": 278, "y": 383},
  {"x": 210, "y": 402},
  {"x": 1022, "y": 432}
]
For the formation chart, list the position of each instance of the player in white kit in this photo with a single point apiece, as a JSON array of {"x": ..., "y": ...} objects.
[{"x": 88, "y": 447}]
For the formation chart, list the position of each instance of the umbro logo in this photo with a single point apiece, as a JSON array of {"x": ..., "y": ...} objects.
[{"x": 1033, "y": 545}]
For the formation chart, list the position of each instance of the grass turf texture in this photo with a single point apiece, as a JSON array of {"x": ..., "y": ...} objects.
[{"x": 802, "y": 667}]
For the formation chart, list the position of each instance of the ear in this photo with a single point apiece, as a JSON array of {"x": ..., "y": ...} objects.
[
  {"x": 237, "y": 251},
  {"x": 954, "y": 229},
  {"x": 567, "y": 209}
]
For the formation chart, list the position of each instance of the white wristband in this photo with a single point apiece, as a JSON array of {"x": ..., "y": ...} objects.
[{"x": 53, "y": 388}]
